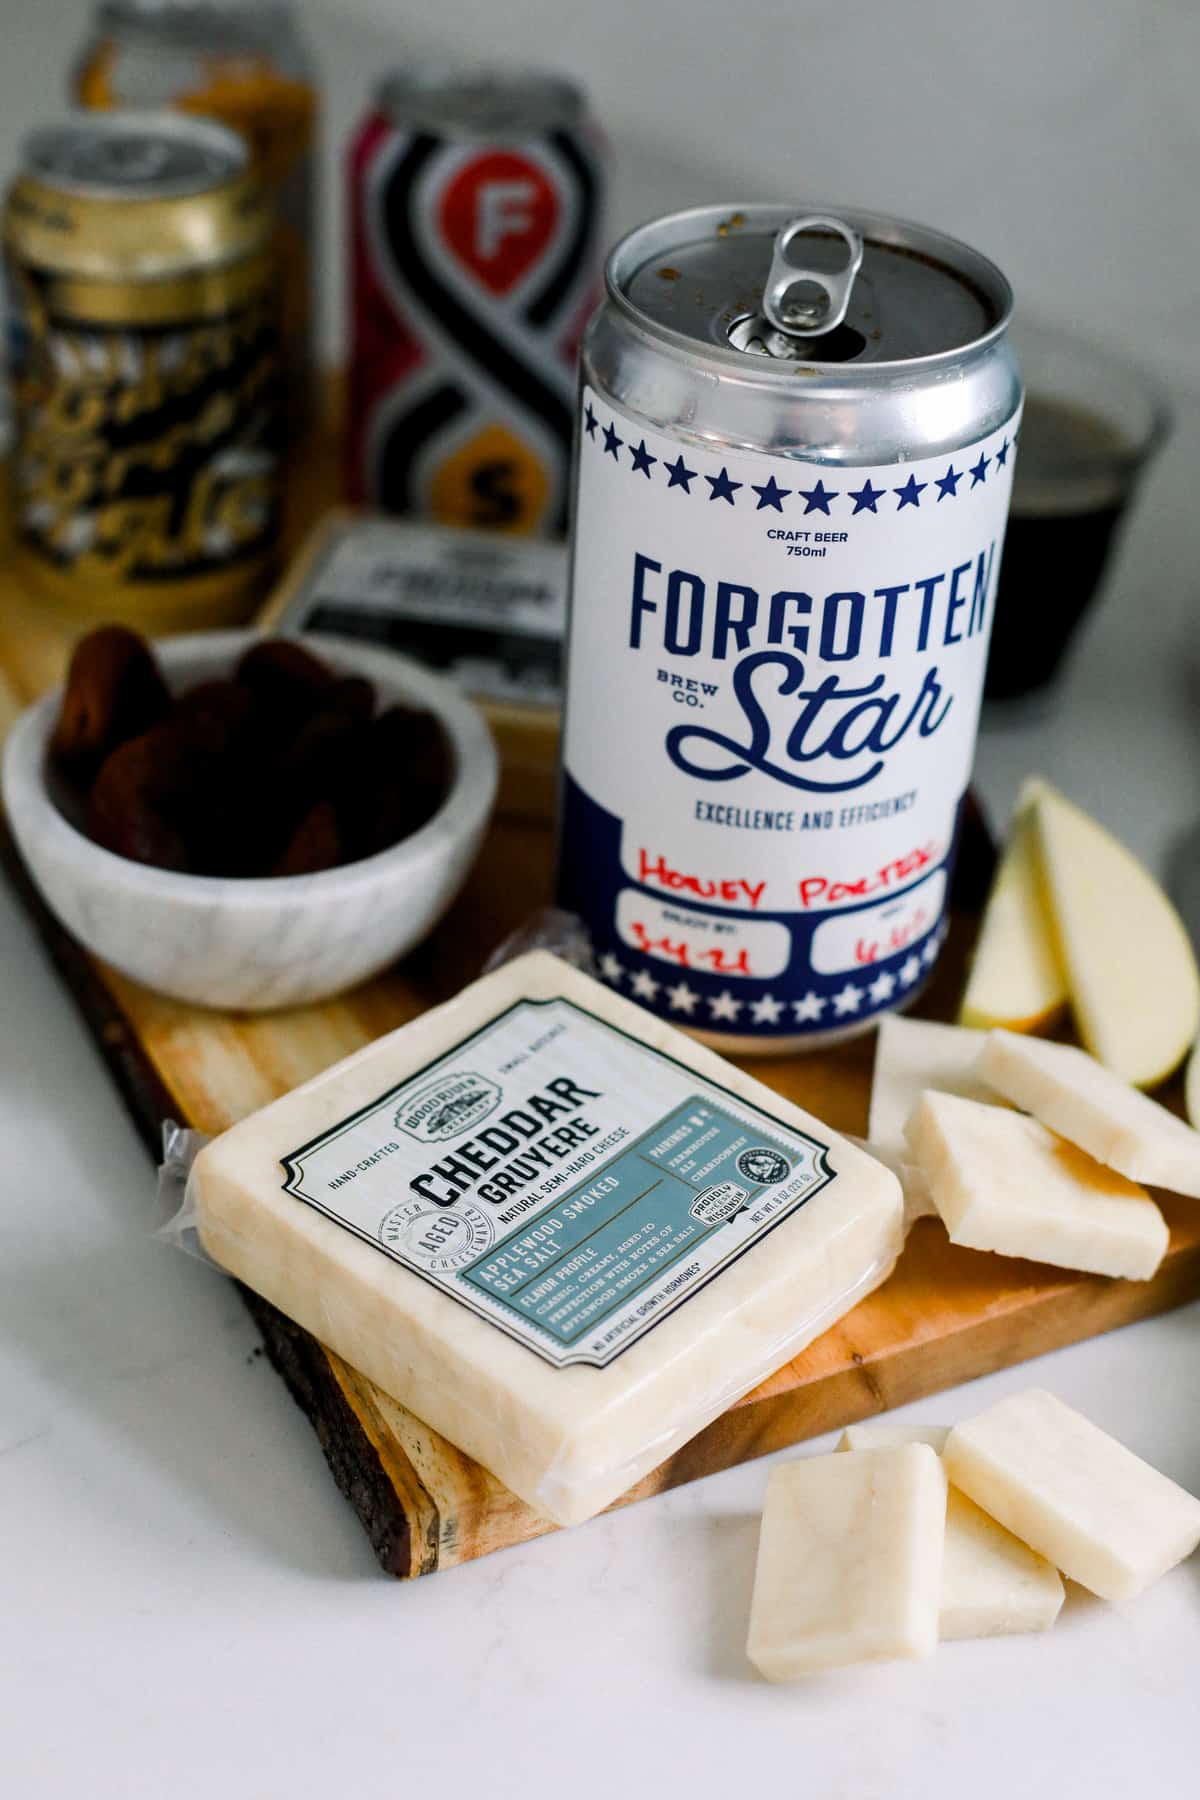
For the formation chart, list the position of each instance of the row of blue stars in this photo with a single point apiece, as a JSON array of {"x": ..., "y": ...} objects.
[
  {"x": 877, "y": 989},
  {"x": 817, "y": 499}
]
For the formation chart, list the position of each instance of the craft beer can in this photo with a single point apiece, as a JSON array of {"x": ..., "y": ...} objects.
[
  {"x": 475, "y": 206},
  {"x": 796, "y": 443},
  {"x": 143, "y": 339}
]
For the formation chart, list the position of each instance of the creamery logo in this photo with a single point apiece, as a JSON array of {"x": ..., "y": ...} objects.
[{"x": 445, "y": 1107}]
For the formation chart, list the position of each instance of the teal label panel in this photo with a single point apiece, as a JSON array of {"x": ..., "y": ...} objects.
[{"x": 653, "y": 1206}]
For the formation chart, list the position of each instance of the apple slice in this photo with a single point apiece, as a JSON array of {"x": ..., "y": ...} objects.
[
  {"x": 1191, "y": 1089},
  {"x": 1017, "y": 981},
  {"x": 1131, "y": 970}
]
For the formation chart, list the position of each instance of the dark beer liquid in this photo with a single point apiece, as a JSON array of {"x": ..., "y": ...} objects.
[{"x": 1068, "y": 496}]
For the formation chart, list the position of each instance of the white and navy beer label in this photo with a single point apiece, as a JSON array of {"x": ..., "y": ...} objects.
[{"x": 773, "y": 686}]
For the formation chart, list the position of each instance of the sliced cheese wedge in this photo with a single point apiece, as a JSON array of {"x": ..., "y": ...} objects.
[
  {"x": 910, "y": 1056},
  {"x": 1079, "y": 1098},
  {"x": 1080, "y": 1498},
  {"x": 1002, "y": 1182},
  {"x": 849, "y": 1561},
  {"x": 1017, "y": 978},
  {"x": 1131, "y": 970},
  {"x": 559, "y": 1231},
  {"x": 992, "y": 1583}
]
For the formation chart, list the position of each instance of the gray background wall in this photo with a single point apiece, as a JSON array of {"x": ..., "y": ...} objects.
[{"x": 1062, "y": 137}]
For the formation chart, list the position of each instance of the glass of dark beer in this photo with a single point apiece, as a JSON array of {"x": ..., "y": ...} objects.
[{"x": 1092, "y": 421}]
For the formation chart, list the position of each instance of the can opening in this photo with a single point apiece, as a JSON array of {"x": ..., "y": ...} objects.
[
  {"x": 754, "y": 334},
  {"x": 130, "y": 162}
]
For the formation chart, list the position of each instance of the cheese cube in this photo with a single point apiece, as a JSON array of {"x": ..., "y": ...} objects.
[
  {"x": 910, "y": 1056},
  {"x": 1003, "y": 1182},
  {"x": 1093, "y": 1508},
  {"x": 1073, "y": 1094},
  {"x": 849, "y": 1561},
  {"x": 561, "y": 1233},
  {"x": 992, "y": 1583}
]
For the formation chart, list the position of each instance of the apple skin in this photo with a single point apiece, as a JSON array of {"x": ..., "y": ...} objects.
[
  {"x": 1191, "y": 1089},
  {"x": 1017, "y": 981},
  {"x": 1131, "y": 970}
]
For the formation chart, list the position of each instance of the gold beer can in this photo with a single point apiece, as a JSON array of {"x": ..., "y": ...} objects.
[{"x": 144, "y": 365}]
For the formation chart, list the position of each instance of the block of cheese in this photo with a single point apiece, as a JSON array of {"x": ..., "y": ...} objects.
[
  {"x": 992, "y": 1583},
  {"x": 1089, "y": 1505},
  {"x": 560, "y": 1232},
  {"x": 1075, "y": 1095},
  {"x": 849, "y": 1561},
  {"x": 1002, "y": 1182},
  {"x": 910, "y": 1056}
]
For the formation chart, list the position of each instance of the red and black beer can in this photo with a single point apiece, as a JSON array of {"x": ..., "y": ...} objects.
[{"x": 476, "y": 243}]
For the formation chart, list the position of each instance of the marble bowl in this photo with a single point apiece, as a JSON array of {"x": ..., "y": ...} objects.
[{"x": 267, "y": 942}]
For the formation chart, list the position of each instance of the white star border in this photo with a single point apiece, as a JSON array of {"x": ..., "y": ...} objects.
[
  {"x": 994, "y": 454},
  {"x": 872, "y": 992}
]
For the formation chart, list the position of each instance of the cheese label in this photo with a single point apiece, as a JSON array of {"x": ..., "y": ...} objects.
[
  {"x": 486, "y": 611},
  {"x": 561, "y": 1179}
]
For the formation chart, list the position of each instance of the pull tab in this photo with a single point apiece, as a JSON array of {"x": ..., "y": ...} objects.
[
  {"x": 129, "y": 161},
  {"x": 803, "y": 300}
]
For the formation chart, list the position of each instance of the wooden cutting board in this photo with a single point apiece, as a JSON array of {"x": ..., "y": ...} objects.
[{"x": 945, "y": 1316}]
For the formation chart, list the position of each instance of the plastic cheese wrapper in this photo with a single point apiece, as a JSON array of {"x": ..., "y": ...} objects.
[{"x": 561, "y": 1233}]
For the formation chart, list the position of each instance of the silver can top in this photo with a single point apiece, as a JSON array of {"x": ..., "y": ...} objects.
[
  {"x": 480, "y": 102},
  {"x": 134, "y": 155},
  {"x": 193, "y": 22},
  {"x": 815, "y": 285}
]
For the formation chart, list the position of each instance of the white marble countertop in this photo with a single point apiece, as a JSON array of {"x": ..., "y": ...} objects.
[{"x": 188, "y": 1607}]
